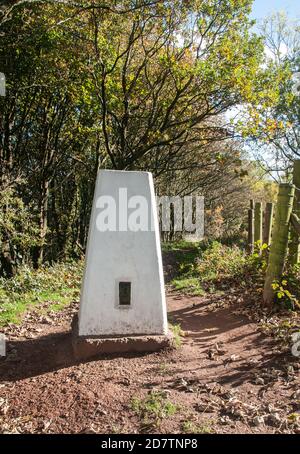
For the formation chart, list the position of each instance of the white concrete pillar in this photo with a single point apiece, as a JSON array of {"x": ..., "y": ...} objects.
[{"x": 123, "y": 287}]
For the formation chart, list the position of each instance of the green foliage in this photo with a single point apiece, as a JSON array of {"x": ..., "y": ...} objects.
[
  {"x": 59, "y": 284},
  {"x": 153, "y": 409},
  {"x": 186, "y": 278},
  {"x": 214, "y": 266},
  {"x": 18, "y": 232},
  {"x": 178, "y": 333},
  {"x": 276, "y": 125},
  {"x": 219, "y": 261},
  {"x": 190, "y": 286},
  {"x": 283, "y": 295},
  {"x": 190, "y": 427},
  {"x": 287, "y": 289},
  {"x": 99, "y": 89},
  {"x": 178, "y": 246}
]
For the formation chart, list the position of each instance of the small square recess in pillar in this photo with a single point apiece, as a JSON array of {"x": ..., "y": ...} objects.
[{"x": 124, "y": 293}]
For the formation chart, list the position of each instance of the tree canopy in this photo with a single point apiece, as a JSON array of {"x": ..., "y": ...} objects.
[{"x": 121, "y": 85}]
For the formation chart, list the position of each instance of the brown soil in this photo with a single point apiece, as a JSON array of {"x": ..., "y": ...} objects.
[{"x": 226, "y": 377}]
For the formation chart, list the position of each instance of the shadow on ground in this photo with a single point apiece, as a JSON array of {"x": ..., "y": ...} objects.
[
  {"x": 32, "y": 357},
  {"x": 238, "y": 337}
]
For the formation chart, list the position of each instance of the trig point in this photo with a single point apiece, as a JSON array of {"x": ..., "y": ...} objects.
[{"x": 122, "y": 305}]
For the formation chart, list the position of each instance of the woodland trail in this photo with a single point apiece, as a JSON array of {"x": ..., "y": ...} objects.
[{"x": 226, "y": 377}]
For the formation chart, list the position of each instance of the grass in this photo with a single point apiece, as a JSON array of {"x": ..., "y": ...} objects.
[
  {"x": 200, "y": 267},
  {"x": 185, "y": 254},
  {"x": 190, "y": 427},
  {"x": 164, "y": 369},
  {"x": 219, "y": 262},
  {"x": 190, "y": 285},
  {"x": 153, "y": 409},
  {"x": 178, "y": 333},
  {"x": 58, "y": 285},
  {"x": 179, "y": 246}
]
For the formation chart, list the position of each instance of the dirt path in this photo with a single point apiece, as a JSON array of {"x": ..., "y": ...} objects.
[{"x": 226, "y": 377}]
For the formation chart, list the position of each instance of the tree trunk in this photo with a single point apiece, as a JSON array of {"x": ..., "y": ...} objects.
[
  {"x": 294, "y": 248},
  {"x": 38, "y": 253},
  {"x": 268, "y": 223},
  {"x": 279, "y": 241},
  {"x": 7, "y": 262},
  {"x": 7, "y": 267}
]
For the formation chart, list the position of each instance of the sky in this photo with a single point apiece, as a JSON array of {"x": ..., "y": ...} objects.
[
  {"x": 260, "y": 10},
  {"x": 263, "y": 8}
]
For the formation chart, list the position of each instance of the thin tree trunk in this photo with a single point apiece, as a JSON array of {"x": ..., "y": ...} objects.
[
  {"x": 38, "y": 253},
  {"x": 7, "y": 261},
  {"x": 294, "y": 248},
  {"x": 279, "y": 241}
]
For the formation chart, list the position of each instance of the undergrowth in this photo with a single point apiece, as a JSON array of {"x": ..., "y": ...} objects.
[
  {"x": 199, "y": 268},
  {"x": 178, "y": 333},
  {"x": 213, "y": 267},
  {"x": 190, "y": 427},
  {"x": 153, "y": 409},
  {"x": 186, "y": 278},
  {"x": 58, "y": 284}
]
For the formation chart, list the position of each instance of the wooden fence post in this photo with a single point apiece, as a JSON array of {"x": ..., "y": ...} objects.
[
  {"x": 294, "y": 248},
  {"x": 268, "y": 222},
  {"x": 279, "y": 241},
  {"x": 258, "y": 223},
  {"x": 251, "y": 231}
]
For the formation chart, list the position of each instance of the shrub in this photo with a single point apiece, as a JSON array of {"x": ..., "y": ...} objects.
[
  {"x": 59, "y": 283},
  {"x": 219, "y": 261},
  {"x": 287, "y": 289}
]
